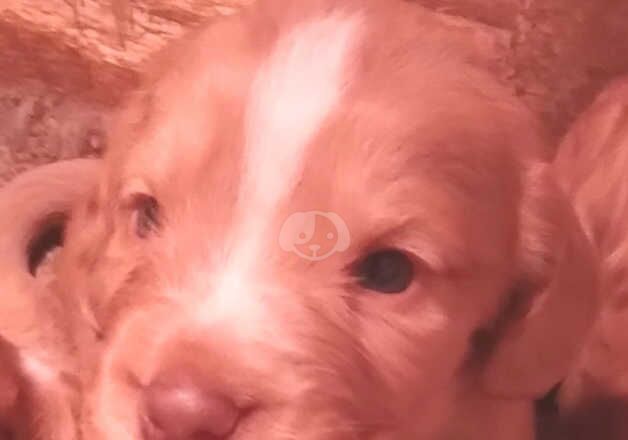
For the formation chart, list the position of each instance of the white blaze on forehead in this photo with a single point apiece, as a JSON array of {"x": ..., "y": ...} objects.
[{"x": 293, "y": 93}]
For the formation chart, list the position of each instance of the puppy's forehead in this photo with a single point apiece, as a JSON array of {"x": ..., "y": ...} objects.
[
  {"x": 257, "y": 103},
  {"x": 290, "y": 99}
]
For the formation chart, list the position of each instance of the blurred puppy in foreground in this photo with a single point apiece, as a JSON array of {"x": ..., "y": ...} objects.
[
  {"x": 37, "y": 382},
  {"x": 592, "y": 165},
  {"x": 320, "y": 220}
]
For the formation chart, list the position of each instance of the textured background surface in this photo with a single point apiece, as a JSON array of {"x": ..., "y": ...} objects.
[{"x": 65, "y": 63}]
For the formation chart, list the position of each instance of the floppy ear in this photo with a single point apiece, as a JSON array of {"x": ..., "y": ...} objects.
[{"x": 558, "y": 284}]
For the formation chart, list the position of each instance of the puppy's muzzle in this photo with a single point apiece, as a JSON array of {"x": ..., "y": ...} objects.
[{"x": 176, "y": 406}]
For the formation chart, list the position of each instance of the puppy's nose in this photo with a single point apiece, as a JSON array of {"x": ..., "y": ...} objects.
[
  {"x": 180, "y": 410},
  {"x": 314, "y": 248}
]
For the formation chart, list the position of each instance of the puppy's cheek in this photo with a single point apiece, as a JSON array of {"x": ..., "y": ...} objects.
[
  {"x": 115, "y": 280},
  {"x": 418, "y": 354},
  {"x": 85, "y": 271}
]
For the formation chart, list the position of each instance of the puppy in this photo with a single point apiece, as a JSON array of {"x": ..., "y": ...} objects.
[
  {"x": 592, "y": 164},
  {"x": 319, "y": 220},
  {"x": 36, "y": 391}
]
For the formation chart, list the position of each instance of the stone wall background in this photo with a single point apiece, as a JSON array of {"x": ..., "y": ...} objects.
[{"x": 64, "y": 64}]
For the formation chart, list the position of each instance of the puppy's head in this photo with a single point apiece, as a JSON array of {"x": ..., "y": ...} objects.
[{"x": 416, "y": 179}]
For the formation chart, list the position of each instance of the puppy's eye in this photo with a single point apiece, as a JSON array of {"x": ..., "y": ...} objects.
[
  {"x": 385, "y": 271},
  {"x": 145, "y": 214}
]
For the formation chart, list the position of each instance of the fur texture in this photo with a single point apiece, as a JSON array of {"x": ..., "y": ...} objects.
[
  {"x": 592, "y": 164},
  {"x": 39, "y": 378},
  {"x": 174, "y": 266}
]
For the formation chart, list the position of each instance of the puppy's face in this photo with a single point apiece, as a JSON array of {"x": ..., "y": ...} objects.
[{"x": 303, "y": 225}]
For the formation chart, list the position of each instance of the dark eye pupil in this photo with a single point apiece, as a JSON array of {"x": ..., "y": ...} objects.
[
  {"x": 386, "y": 271},
  {"x": 147, "y": 210}
]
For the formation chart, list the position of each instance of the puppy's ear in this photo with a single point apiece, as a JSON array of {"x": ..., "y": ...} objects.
[{"x": 556, "y": 295}]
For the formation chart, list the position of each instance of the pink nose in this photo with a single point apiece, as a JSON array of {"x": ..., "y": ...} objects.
[{"x": 180, "y": 410}]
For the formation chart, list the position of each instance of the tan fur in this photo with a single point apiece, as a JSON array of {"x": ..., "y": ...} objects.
[
  {"x": 35, "y": 343},
  {"x": 593, "y": 166},
  {"x": 424, "y": 152}
]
